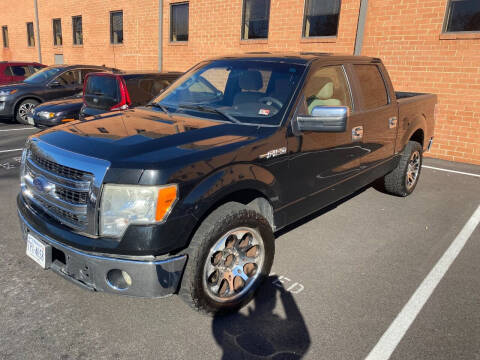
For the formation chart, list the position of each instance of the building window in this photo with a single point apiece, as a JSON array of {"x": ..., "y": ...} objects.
[
  {"x": 57, "y": 32},
  {"x": 256, "y": 14},
  {"x": 321, "y": 18},
  {"x": 5, "y": 36},
  {"x": 116, "y": 27},
  {"x": 179, "y": 22},
  {"x": 30, "y": 34},
  {"x": 77, "y": 30},
  {"x": 462, "y": 15}
]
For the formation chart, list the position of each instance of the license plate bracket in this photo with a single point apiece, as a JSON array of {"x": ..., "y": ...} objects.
[{"x": 38, "y": 251}]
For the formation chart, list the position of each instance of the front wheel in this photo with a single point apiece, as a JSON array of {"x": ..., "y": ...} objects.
[
  {"x": 229, "y": 256},
  {"x": 404, "y": 178},
  {"x": 25, "y": 107}
]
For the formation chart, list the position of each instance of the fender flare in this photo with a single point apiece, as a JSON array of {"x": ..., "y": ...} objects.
[
  {"x": 223, "y": 183},
  {"x": 25, "y": 97},
  {"x": 418, "y": 123}
]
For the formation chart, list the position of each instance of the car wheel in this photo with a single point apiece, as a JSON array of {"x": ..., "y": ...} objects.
[
  {"x": 404, "y": 178},
  {"x": 229, "y": 256},
  {"x": 25, "y": 107}
]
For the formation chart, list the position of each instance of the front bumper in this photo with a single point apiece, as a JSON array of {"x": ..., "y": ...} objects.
[
  {"x": 6, "y": 106},
  {"x": 149, "y": 278}
]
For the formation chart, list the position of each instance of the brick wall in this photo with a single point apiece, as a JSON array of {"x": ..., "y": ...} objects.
[
  {"x": 407, "y": 36},
  {"x": 215, "y": 29},
  {"x": 140, "y": 30}
]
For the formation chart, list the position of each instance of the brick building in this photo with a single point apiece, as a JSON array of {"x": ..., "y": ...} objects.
[{"x": 427, "y": 45}]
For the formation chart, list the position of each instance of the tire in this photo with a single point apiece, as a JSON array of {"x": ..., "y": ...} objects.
[
  {"x": 23, "y": 109},
  {"x": 404, "y": 178},
  {"x": 220, "y": 261}
]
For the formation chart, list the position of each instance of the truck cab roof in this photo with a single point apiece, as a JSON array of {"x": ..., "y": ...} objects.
[{"x": 297, "y": 57}]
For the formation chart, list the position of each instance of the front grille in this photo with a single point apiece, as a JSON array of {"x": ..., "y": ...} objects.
[
  {"x": 75, "y": 197},
  {"x": 55, "y": 211},
  {"x": 60, "y": 191},
  {"x": 57, "y": 169}
]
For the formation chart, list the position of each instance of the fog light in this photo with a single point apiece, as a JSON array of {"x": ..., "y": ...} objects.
[{"x": 119, "y": 279}]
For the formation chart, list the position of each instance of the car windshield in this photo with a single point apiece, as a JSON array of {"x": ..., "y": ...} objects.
[
  {"x": 43, "y": 75},
  {"x": 242, "y": 91}
]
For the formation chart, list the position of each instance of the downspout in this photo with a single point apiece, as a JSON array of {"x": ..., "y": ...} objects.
[
  {"x": 37, "y": 31},
  {"x": 362, "y": 17},
  {"x": 160, "y": 35}
]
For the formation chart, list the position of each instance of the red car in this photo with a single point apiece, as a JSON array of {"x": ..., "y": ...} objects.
[{"x": 14, "y": 71}]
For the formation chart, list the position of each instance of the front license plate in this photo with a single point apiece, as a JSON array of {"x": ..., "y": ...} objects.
[
  {"x": 30, "y": 120},
  {"x": 36, "y": 250}
]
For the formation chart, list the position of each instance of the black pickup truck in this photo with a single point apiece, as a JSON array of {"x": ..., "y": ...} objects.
[{"x": 185, "y": 195}]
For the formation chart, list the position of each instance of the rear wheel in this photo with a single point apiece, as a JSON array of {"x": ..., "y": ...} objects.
[
  {"x": 404, "y": 178},
  {"x": 229, "y": 256},
  {"x": 25, "y": 107}
]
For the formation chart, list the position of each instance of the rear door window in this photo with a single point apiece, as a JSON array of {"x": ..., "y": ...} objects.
[
  {"x": 88, "y": 71},
  {"x": 71, "y": 77},
  {"x": 20, "y": 70},
  {"x": 373, "y": 91}
]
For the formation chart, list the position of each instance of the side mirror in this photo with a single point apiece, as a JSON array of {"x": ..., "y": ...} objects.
[
  {"x": 324, "y": 119},
  {"x": 55, "y": 84}
]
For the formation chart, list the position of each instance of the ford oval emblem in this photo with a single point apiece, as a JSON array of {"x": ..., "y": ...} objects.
[{"x": 42, "y": 185}]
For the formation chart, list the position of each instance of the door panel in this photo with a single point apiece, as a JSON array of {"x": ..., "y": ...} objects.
[
  {"x": 378, "y": 112},
  {"x": 70, "y": 83},
  {"x": 320, "y": 160}
]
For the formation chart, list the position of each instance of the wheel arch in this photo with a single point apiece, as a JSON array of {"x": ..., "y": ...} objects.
[{"x": 23, "y": 98}]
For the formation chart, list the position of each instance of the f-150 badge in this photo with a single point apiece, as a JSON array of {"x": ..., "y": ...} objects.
[{"x": 274, "y": 153}]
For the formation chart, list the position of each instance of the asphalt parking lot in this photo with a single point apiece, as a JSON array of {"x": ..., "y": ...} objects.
[{"x": 340, "y": 279}]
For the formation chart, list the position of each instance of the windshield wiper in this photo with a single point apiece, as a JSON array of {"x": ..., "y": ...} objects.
[
  {"x": 161, "y": 107},
  {"x": 210, "y": 109}
]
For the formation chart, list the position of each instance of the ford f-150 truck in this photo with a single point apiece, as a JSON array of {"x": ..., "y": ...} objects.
[{"x": 184, "y": 195}]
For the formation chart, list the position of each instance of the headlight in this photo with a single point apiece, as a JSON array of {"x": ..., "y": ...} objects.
[
  {"x": 46, "y": 115},
  {"x": 7, "y": 92},
  {"x": 122, "y": 205}
]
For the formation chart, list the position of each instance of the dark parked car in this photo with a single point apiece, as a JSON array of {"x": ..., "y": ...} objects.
[
  {"x": 106, "y": 92},
  {"x": 53, "y": 82},
  {"x": 56, "y": 112},
  {"x": 186, "y": 195},
  {"x": 16, "y": 71}
]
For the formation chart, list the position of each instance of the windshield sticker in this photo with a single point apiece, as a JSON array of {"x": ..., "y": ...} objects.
[{"x": 264, "y": 112}]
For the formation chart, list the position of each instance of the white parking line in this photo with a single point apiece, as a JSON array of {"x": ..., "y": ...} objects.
[
  {"x": 394, "y": 334},
  {"x": 451, "y": 171},
  {"x": 19, "y": 129},
  {"x": 10, "y": 150}
]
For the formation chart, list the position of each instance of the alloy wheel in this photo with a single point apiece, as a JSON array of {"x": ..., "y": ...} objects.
[{"x": 233, "y": 264}]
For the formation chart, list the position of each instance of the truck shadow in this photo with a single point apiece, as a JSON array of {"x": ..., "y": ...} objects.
[{"x": 263, "y": 334}]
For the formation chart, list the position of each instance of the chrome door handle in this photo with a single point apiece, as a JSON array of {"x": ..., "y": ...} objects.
[
  {"x": 392, "y": 122},
  {"x": 357, "y": 133}
]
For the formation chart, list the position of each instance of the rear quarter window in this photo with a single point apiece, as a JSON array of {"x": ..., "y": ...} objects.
[{"x": 372, "y": 86}]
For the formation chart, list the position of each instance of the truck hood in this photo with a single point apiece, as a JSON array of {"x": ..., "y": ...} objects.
[
  {"x": 18, "y": 86},
  {"x": 149, "y": 139}
]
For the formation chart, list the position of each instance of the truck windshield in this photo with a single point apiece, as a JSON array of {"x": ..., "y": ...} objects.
[
  {"x": 246, "y": 91},
  {"x": 43, "y": 75}
]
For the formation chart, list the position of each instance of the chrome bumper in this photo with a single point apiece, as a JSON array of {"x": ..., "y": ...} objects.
[{"x": 155, "y": 278}]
